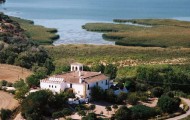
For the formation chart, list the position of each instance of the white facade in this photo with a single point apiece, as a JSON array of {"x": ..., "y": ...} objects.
[{"x": 80, "y": 81}]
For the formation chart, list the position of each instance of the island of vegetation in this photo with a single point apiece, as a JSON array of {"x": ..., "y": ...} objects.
[
  {"x": 145, "y": 32},
  {"x": 157, "y": 78}
]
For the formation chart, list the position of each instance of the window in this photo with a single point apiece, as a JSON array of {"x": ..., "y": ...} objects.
[
  {"x": 88, "y": 87},
  {"x": 49, "y": 86},
  {"x": 55, "y": 86},
  {"x": 52, "y": 86},
  {"x": 70, "y": 85},
  {"x": 96, "y": 83},
  {"x": 102, "y": 82},
  {"x": 106, "y": 82}
]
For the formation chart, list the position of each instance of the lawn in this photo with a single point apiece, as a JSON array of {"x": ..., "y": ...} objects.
[
  {"x": 162, "y": 33},
  {"x": 37, "y": 33}
]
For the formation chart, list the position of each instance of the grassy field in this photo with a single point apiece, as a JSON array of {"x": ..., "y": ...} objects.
[
  {"x": 162, "y": 33},
  {"x": 37, "y": 33},
  {"x": 120, "y": 55},
  {"x": 8, "y": 101},
  {"x": 153, "y": 22},
  {"x": 126, "y": 58},
  {"x": 12, "y": 73}
]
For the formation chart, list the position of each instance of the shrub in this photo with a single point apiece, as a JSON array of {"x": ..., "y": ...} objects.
[
  {"x": 90, "y": 116},
  {"x": 170, "y": 94},
  {"x": 123, "y": 113},
  {"x": 92, "y": 107},
  {"x": 157, "y": 91},
  {"x": 63, "y": 113},
  {"x": 110, "y": 96},
  {"x": 96, "y": 93},
  {"x": 141, "y": 112},
  {"x": 5, "y": 114},
  {"x": 168, "y": 104},
  {"x": 121, "y": 97},
  {"x": 115, "y": 106},
  {"x": 81, "y": 113},
  {"x": 3, "y": 83},
  {"x": 132, "y": 98}
]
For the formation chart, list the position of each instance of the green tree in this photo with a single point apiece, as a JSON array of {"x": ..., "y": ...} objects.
[
  {"x": 110, "y": 96},
  {"x": 90, "y": 116},
  {"x": 35, "y": 106},
  {"x": 108, "y": 108},
  {"x": 65, "y": 112},
  {"x": 141, "y": 112},
  {"x": 123, "y": 113},
  {"x": 34, "y": 80},
  {"x": 168, "y": 104},
  {"x": 132, "y": 98},
  {"x": 49, "y": 65},
  {"x": 96, "y": 93},
  {"x": 92, "y": 107},
  {"x": 58, "y": 101},
  {"x": 3, "y": 83},
  {"x": 98, "y": 68},
  {"x": 129, "y": 85},
  {"x": 111, "y": 70},
  {"x": 121, "y": 97},
  {"x": 21, "y": 89},
  {"x": 115, "y": 107},
  {"x": 81, "y": 113},
  {"x": 157, "y": 91},
  {"x": 5, "y": 114}
]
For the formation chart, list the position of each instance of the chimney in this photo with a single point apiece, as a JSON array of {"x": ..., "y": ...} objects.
[
  {"x": 79, "y": 73},
  {"x": 80, "y": 80}
]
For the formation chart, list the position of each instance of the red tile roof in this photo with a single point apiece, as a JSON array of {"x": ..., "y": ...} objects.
[{"x": 89, "y": 77}]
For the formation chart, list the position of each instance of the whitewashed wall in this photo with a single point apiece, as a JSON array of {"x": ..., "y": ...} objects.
[
  {"x": 54, "y": 87},
  {"x": 101, "y": 84}
]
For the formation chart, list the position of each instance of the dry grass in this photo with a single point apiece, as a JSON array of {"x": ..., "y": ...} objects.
[
  {"x": 7, "y": 101},
  {"x": 13, "y": 73}
]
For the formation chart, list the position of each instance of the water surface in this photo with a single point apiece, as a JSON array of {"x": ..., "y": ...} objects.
[{"x": 69, "y": 15}]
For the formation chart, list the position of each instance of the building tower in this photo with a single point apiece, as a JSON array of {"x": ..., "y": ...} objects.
[{"x": 76, "y": 67}]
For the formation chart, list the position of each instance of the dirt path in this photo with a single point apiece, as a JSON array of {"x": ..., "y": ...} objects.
[
  {"x": 7, "y": 101},
  {"x": 19, "y": 117},
  {"x": 183, "y": 115},
  {"x": 12, "y": 73}
]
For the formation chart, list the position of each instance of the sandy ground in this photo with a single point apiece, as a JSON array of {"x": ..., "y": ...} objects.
[
  {"x": 7, "y": 101},
  {"x": 19, "y": 117},
  {"x": 13, "y": 73}
]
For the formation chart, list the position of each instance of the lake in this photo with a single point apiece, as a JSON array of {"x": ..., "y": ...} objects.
[{"x": 69, "y": 15}]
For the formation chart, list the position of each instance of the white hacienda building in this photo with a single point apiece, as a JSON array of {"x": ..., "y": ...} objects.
[{"x": 77, "y": 79}]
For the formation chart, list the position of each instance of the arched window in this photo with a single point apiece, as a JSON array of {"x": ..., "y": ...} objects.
[
  {"x": 80, "y": 68},
  {"x": 88, "y": 87},
  {"x": 76, "y": 68}
]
